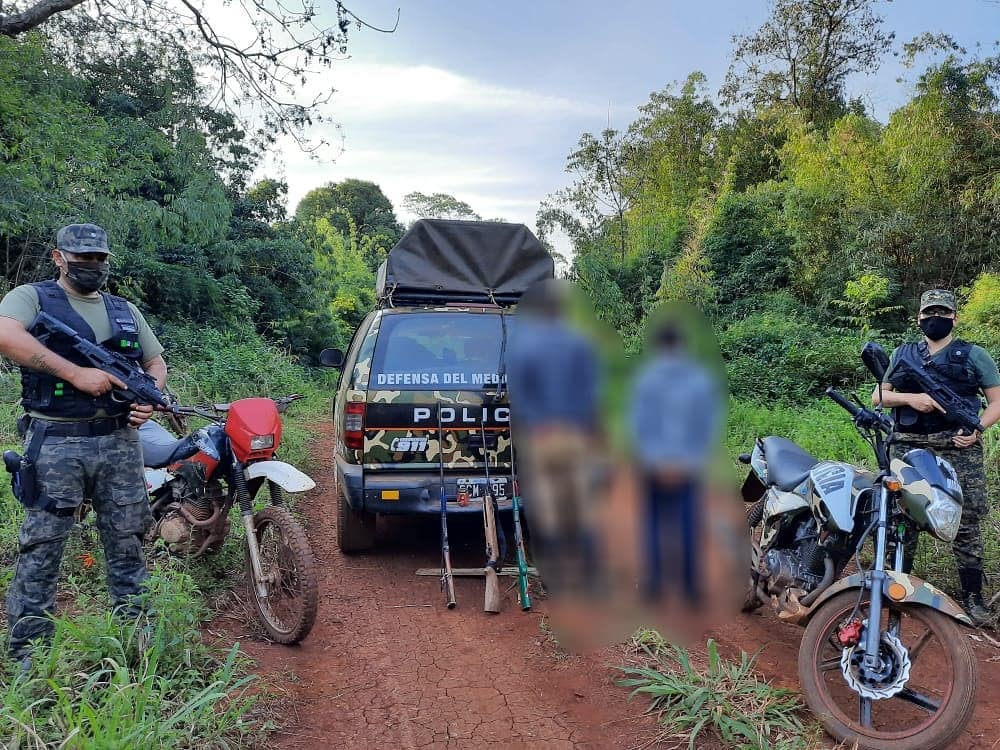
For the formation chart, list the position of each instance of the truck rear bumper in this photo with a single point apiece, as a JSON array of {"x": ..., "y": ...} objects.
[{"x": 404, "y": 493}]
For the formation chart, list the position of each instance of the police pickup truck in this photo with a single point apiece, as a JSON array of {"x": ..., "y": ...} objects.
[{"x": 423, "y": 383}]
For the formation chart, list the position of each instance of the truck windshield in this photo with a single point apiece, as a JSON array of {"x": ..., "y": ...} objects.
[{"x": 438, "y": 351}]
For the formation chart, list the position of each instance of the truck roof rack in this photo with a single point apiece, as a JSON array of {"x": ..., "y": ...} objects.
[{"x": 441, "y": 261}]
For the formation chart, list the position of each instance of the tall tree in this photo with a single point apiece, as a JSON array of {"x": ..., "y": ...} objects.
[
  {"x": 610, "y": 172},
  {"x": 369, "y": 208},
  {"x": 803, "y": 54},
  {"x": 260, "y": 73},
  {"x": 438, "y": 206},
  {"x": 679, "y": 128}
]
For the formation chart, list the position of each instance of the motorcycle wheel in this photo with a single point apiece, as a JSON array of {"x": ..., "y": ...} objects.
[
  {"x": 936, "y": 701},
  {"x": 289, "y": 611}
]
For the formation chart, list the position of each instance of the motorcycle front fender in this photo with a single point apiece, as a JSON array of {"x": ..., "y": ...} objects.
[
  {"x": 913, "y": 591},
  {"x": 284, "y": 475}
]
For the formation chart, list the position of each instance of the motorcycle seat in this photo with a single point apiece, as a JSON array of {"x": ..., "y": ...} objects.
[
  {"x": 160, "y": 448},
  {"x": 787, "y": 464}
]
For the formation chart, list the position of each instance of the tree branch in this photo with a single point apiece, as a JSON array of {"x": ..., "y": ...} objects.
[{"x": 34, "y": 16}]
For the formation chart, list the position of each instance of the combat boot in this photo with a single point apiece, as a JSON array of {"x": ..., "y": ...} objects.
[
  {"x": 976, "y": 609},
  {"x": 972, "y": 596}
]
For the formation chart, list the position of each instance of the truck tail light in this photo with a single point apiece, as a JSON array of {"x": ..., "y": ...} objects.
[{"x": 354, "y": 425}]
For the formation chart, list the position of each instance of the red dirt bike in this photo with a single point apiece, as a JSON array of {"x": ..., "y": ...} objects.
[{"x": 194, "y": 481}]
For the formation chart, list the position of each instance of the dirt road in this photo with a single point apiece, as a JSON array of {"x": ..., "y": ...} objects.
[{"x": 388, "y": 666}]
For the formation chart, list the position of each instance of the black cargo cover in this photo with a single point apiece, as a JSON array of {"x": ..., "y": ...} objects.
[{"x": 440, "y": 260}]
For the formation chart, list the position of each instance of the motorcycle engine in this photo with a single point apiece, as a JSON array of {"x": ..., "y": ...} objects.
[
  {"x": 192, "y": 499},
  {"x": 797, "y": 567},
  {"x": 785, "y": 570}
]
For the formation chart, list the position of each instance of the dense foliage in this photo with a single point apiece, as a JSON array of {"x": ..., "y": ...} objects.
[
  {"x": 129, "y": 143},
  {"x": 800, "y": 223}
]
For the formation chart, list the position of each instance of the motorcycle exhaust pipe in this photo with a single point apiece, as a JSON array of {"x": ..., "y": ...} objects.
[{"x": 824, "y": 584}]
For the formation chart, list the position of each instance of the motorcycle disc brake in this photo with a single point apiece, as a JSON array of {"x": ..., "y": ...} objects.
[{"x": 896, "y": 659}]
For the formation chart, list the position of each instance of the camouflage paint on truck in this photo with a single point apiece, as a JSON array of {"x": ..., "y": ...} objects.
[
  {"x": 401, "y": 430},
  {"x": 357, "y": 384},
  {"x": 396, "y": 437}
]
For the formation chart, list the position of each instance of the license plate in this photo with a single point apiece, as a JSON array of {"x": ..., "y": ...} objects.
[{"x": 476, "y": 488}]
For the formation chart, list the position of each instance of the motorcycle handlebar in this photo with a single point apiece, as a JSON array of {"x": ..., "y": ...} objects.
[
  {"x": 852, "y": 409},
  {"x": 193, "y": 411},
  {"x": 285, "y": 401},
  {"x": 216, "y": 411},
  {"x": 863, "y": 417}
]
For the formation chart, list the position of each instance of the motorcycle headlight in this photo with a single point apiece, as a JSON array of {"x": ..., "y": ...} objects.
[
  {"x": 944, "y": 515},
  {"x": 260, "y": 442},
  {"x": 950, "y": 479}
]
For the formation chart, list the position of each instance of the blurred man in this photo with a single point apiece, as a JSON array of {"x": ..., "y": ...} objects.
[
  {"x": 553, "y": 377},
  {"x": 676, "y": 420}
]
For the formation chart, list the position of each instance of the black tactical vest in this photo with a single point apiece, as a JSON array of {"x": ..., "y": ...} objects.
[
  {"x": 47, "y": 394},
  {"x": 955, "y": 371}
]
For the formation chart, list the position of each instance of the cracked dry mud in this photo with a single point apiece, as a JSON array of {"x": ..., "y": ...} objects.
[{"x": 388, "y": 666}]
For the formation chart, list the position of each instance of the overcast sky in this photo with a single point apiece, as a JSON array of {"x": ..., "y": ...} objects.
[{"x": 484, "y": 99}]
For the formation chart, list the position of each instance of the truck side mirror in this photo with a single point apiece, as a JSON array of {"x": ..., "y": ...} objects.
[{"x": 332, "y": 358}]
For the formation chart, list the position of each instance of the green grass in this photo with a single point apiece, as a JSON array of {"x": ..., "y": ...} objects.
[
  {"x": 820, "y": 427},
  {"x": 94, "y": 686},
  {"x": 723, "y": 699},
  {"x": 91, "y": 685}
]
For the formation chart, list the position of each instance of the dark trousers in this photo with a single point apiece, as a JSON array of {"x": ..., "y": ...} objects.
[{"x": 671, "y": 534}]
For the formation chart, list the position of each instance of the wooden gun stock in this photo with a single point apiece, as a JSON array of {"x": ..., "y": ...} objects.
[{"x": 493, "y": 599}]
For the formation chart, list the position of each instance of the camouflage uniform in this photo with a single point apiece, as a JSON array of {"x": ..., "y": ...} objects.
[
  {"x": 968, "y": 465},
  {"x": 108, "y": 470},
  {"x": 77, "y": 446}
]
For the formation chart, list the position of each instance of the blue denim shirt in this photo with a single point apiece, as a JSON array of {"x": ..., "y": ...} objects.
[
  {"x": 552, "y": 374},
  {"x": 676, "y": 414}
]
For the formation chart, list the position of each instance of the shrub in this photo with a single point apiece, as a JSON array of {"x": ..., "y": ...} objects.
[
  {"x": 724, "y": 698},
  {"x": 102, "y": 683},
  {"x": 746, "y": 243},
  {"x": 780, "y": 356}
]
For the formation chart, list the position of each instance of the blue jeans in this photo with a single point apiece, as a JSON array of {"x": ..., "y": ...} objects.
[{"x": 671, "y": 533}]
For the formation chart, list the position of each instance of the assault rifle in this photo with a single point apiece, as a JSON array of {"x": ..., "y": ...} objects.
[
  {"x": 140, "y": 387},
  {"x": 955, "y": 409}
]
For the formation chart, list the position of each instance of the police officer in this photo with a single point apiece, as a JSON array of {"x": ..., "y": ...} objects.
[
  {"x": 79, "y": 442},
  {"x": 968, "y": 370}
]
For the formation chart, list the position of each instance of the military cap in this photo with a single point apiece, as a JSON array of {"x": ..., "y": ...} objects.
[
  {"x": 937, "y": 298},
  {"x": 82, "y": 238}
]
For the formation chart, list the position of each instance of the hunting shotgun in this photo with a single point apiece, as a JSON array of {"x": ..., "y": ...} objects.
[
  {"x": 447, "y": 580},
  {"x": 493, "y": 600}
]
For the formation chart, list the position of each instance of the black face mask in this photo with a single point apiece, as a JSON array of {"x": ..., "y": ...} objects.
[
  {"x": 87, "y": 276},
  {"x": 936, "y": 328}
]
